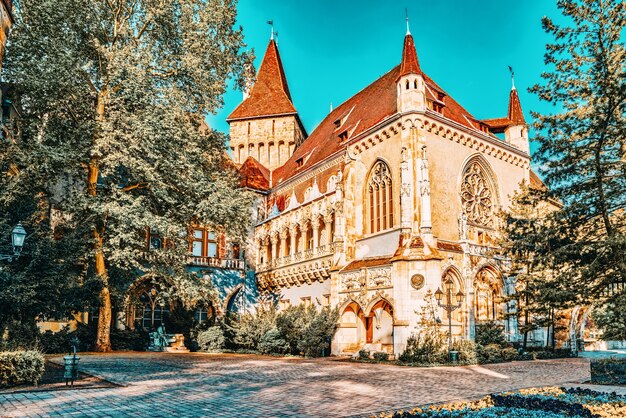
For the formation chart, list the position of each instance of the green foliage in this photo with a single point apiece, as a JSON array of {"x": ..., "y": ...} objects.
[
  {"x": 611, "y": 371},
  {"x": 583, "y": 148},
  {"x": 428, "y": 346},
  {"x": 122, "y": 88},
  {"x": 211, "y": 340},
  {"x": 57, "y": 342},
  {"x": 467, "y": 351},
  {"x": 133, "y": 340},
  {"x": 364, "y": 354},
  {"x": 291, "y": 324},
  {"x": 610, "y": 318},
  {"x": 318, "y": 331},
  {"x": 273, "y": 342},
  {"x": 20, "y": 367},
  {"x": 490, "y": 332},
  {"x": 380, "y": 356},
  {"x": 250, "y": 328}
]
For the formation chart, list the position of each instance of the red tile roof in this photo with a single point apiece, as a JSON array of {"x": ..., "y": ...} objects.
[
  {"x": 270, "y": 93},
  {"x": 410, "y": 63},
  {"x": 515, "y": 113},
  {"x": 367, "y": 108},
  {"x": 254, "y": 175}
]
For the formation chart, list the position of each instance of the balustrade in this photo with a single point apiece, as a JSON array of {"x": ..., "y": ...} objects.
[{"x": 225, "y": 263}]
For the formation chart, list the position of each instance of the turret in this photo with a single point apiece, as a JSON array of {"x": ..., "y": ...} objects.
[
  {"x": 410, "y": 83},
  {"x": 516, "y": 133}
]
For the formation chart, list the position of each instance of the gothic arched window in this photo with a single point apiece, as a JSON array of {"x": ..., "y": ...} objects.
[
  {"x": 476, "y": 196},
  {"x": 379, "y": 195}
]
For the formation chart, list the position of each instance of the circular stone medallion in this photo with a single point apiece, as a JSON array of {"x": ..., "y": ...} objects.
[{"x": 417, "y": 281}]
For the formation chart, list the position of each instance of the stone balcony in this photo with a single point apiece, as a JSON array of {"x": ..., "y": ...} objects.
[
  {"x": 297, "y": 269},
  {"x": 223, "y": 263}
]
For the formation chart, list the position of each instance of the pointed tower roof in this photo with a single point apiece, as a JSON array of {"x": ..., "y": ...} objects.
[
  {"x": 409, "y": 64},
  {"x": 515, "y": 109},
  {"x": 270, "y": 93}
]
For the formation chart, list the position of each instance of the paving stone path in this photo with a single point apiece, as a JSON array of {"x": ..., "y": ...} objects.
[{"x": 229, "y": 385}]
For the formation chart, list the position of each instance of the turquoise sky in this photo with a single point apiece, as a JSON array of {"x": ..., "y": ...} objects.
[{"x": 333, "y": 49}]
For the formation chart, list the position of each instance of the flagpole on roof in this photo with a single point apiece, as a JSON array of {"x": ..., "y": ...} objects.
[{"x": 406, "y": 12}]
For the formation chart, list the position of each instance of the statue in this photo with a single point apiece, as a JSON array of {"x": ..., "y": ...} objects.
[{"x": 159, "y": 339}]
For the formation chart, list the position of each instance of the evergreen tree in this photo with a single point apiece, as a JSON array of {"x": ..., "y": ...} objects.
[
  {"x": 113, "y": 96},
  {"x": 583, "y": 146}
]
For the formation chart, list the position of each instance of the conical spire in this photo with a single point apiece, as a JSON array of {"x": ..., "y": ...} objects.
[
  {"x": 515, "y": 109},
  {"x": 270, "y": 93},
  {"x": 409, "y": 64}
]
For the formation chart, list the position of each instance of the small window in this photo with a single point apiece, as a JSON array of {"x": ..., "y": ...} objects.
[
  {"x": 343, "y": 136},
  {"x": 415, "y": 84},
  {"x": 337, "y": 123},
  {"x": 284, "y": 303},
  {"x": 407, "y": 84},
  {"x": 299, "y": 162},
  {"x": 326, "y": 300},
  {"x": 306, "y": 301}
]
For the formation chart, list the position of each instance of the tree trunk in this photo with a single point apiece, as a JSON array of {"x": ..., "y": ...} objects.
[{"x": 103, "y": 337}]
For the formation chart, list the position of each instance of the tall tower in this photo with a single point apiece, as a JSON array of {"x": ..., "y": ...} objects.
[
  {"x": 410, "y": 82},
  {"x": 266, "y": 125}
]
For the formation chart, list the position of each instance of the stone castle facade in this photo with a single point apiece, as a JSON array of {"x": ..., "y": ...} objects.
[{"x": 393, "y": 196}]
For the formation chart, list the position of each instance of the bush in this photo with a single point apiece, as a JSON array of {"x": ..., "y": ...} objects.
[
  {"x": 426, "y": 347},
  {"x": 491, "y": 353},
  {"x": 57, "y": 342},
  {"x": 249, "y": 328},
  {"x": 273, "y": 343},
  {"x": 318, "y": 331},
  {"x": 611, "y": 371},
  {"x": 21, "y": 367},
  {"x": 467, "y": 351},
  {"x": 133, "y": 340},
  {"x": 211, "y": 340},
  {"x": 381, "y": 356},
  {"x": 364, "y": 354},
  {"x": 490, "y": 332}
]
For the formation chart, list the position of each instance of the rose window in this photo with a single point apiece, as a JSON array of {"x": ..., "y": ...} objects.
[{"x": 476, "y": 197}]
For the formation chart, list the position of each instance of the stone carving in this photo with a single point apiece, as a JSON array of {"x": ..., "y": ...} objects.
[
  {"x": 476, "y": 197},
  {"x": 462, "y": 226},
  {"x": 417, "y": 281},
  {"x": 380, "y": 277}
]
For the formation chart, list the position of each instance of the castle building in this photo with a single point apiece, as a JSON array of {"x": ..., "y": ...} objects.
[{"x": 394, "y": 195}]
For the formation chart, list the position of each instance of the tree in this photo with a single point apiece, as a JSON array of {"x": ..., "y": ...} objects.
[
  {"x": 526, "y": 238},
  {"x": 583, "y": 146},
  {"x": 113, "y": 96}
]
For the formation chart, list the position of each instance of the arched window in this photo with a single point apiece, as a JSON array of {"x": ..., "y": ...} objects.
[
  {"x": 379, "y": 198},
  {"x": 415, "y": 84},
  {"x": 407, "y": 84},
  {"x": 477, "y": 198}
]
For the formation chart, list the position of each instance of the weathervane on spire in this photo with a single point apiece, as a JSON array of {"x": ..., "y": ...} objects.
[
  {"x": 272, "y": 33},
  {"x": 406, "y": 12},
  {"x": 512, "y": 77}
]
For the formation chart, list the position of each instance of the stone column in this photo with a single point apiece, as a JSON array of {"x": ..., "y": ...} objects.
[
  {"x": 303, "y": 234},
  {"x": 426, "y": 225},
  {"x": 274, "y": 240},
  {"x": 315, "y": 224},
  {"x": 283, "y": 242},
  {"x": 328, "y": 219},
  {"x": 293, "y": 228}
]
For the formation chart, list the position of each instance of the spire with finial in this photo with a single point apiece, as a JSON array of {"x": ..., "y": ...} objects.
[
  {"x": 410, "y": 63},
  {"x": 515, "y": 113},
  {"x": 406, "y": 12},
  {"x": 271, "y": 23}
]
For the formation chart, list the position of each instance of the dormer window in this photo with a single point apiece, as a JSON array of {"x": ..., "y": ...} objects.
[
  {"x": 440, "y": 96},
  {"x": 438, "y": 107},
  {"x": 338, "y": 123},
  {"x": 415, "y": 84},
  {"x": 407, "y": 84},
  {"x": 343, "y": 136},
  {"x": 299, "y": 162}
]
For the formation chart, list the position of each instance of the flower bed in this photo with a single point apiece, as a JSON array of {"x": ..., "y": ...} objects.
[{"x": 530, "y": 403}]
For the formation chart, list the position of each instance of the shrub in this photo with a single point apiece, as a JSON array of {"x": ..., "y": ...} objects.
[
  {"x": 318, "y": 331},
  {"x": 381, "y": 356},
  {"x": 211, "y": 340},
  {"x": 291, "y": 324},
  {"x": 611, "y": 371},
  {"x": 467, "y": 351},
  {"x": 273, "y": 343},
  {"x": 364, "y": 354},
  {"x": 491, "y": 353},
  {"x": 57, "y": 342},
  {"x": 426, "y": 347},
  {"x": 490, "y": 332},
  {"x": 249, "y": 328},
  {"x": 134, "y": 340},
  {"x": 20, "y": 367}
]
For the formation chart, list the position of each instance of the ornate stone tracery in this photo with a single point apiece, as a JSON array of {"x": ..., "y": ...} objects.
[{"x": 477, "y": 197}]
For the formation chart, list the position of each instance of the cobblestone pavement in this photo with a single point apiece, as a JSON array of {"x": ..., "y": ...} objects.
[{"x": 192, "y": 385}]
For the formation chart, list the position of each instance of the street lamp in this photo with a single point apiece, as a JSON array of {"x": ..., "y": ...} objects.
[
  {"x": 17, "y": 240},
  {"x": 449, "y": 307}
]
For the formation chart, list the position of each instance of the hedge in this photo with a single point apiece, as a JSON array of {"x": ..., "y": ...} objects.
[
  {"x": 20, "y": 367},
  {"x": 611, "y": 371}
]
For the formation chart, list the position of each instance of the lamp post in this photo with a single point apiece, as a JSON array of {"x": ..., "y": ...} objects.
[
  {"x": 449, "y": 307},
  {"x": 18, "y": 234}
]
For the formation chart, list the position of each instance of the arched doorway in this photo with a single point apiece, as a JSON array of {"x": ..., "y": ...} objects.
[
  {"x": 378, "y": 325},
  {"x": 488, "y": 296}
]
